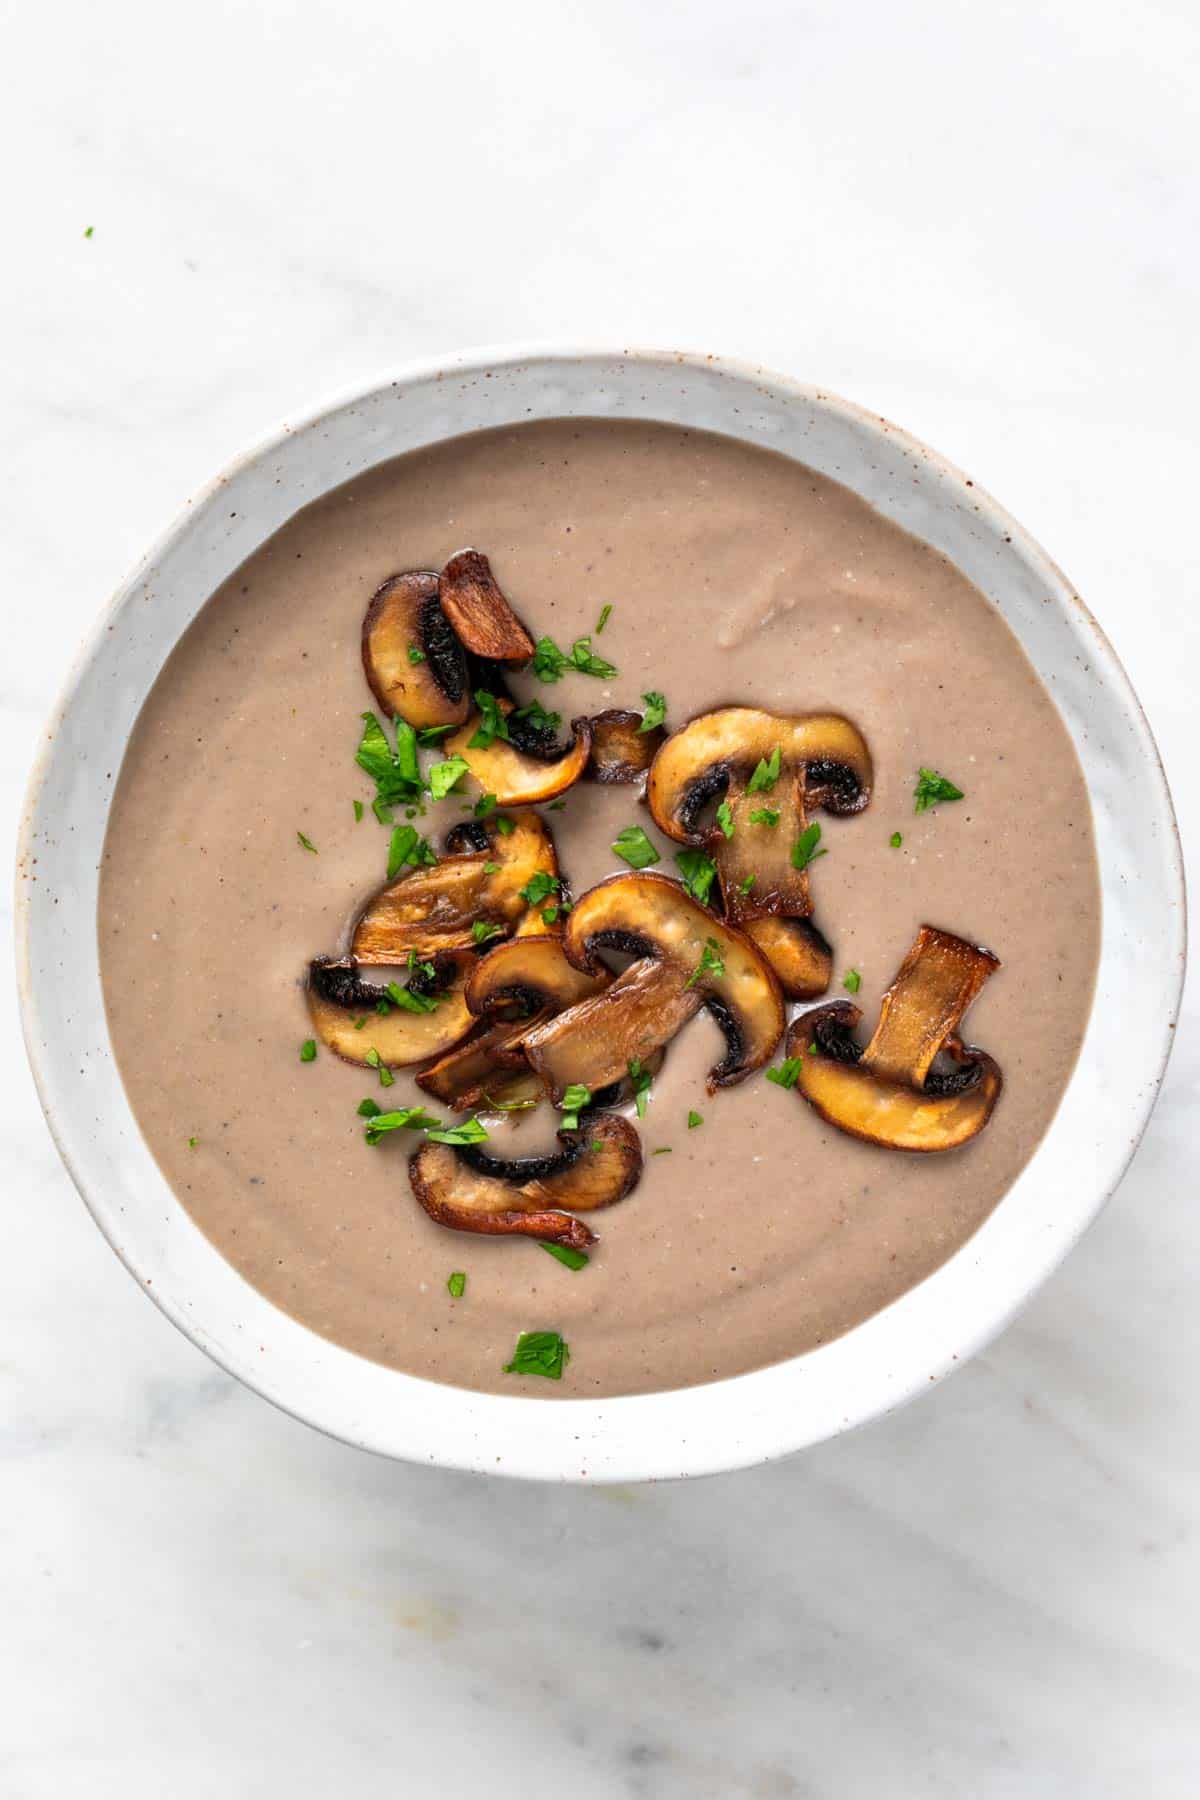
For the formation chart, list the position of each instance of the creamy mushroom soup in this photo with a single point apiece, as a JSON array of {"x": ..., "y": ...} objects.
[{"x": 922, "y": 778}]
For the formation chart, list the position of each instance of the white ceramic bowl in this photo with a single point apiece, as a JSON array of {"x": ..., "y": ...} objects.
[{"x": 921, "y": 1337}]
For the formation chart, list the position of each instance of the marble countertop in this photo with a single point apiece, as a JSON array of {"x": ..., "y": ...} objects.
[{"x": 980, "y": 223}]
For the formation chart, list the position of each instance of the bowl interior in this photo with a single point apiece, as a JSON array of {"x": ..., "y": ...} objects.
[{"x": 922, "y": 1336}]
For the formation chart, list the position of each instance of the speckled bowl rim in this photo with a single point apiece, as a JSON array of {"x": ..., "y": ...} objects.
[{"x": 901, "y": 1351}]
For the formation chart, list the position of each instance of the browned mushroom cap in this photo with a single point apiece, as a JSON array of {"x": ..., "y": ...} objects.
[
  {"x": 430, "y": 909},
  {"x": 530, "y": 975},
  {"x": 685, "y": 959},
  {"x": 484, "y": 621},
  {"x": 361, "y": 1023},
  {"x": 823, "y": 761},
  {"x": 412, "y": 660},
  {"x": 534, "y": 1196},
  {"x": 527, "y": 770},
  {"x": 891, "y": 1093},
  {"x": 621, "y": 750},
  {"x": 799, "y": 955},
  {"x": 488, "y": 1071}
]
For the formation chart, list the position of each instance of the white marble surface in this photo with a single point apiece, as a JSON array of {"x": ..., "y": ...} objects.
[{"x": 980, "y": 221}]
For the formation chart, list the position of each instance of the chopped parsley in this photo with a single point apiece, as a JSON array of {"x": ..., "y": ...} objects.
[
  {"x": 725, "y": 818},
  {"x": 492, "y": 723},
  {"x": 408, "y": 1118},
  {"x": 656, "y": 711},
  {"x": 539, "y": 887},
  {"x": 933, "y": 789},
  {"x": 602, "y": 621},
  {"x": 471, "y": 1131},
  {"x": 766, "y": 773},
  {"x": 539, "y": 1353},
  {"x": 634, "y": 847},
  {"x": 386, "y": 1078},
  {"x": 538, "y": 717},
  {"x": 482, "y": 931},
  {"x": 663, "y": 1150},
  {"x": 415, "y": 655},
  {"x": 87, "y": 234},
  {"x": 895, "y": 840},
  {"x": 358, "y": 812},
  {"x": 396, "y": 773},
  {"x": 484, "y": 806},
  {"x": 694, "y": 1119},
  {"x": 852, "y": 981},
  {"x": 369, "y": 1109},
  {"x": 563, "y": 1253},
  {"x": 306, "y": 843},
  {"x": 557, "y": 806},
  {"x": 430, "y": 735},
  {"x": 407, "y": 1001},
  {"x": 446, "y": 775},
  {"x": 639, "y": 1078},
  {"x": 710, "y": 962},
  {"x": 192, "y": 1142},
  {"x": 765, "y": 815},
  {"x": 575, "y": 1098},
  {"x": 744, "y": 887},
  {"x": 456, "y": 1286},
  {"x": 491, "y": 868},
  {"x": 698, "y": 870},
  {"x": 408, "y": 846},
  {"x": 787, "y": 1074},
  {"x": 551, "y": 914},
  {"x": 308, "y": 1050},
  {"x": 505, "y": 826},
  {"x": 804, "y": 850},
  {"x": 551, "y": 664}
]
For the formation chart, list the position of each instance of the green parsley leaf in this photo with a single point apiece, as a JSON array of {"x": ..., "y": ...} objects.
[
  {"x": 895, "y": 840},
  {"x": 359, "y": 1023},
  {"x": 358, "y": 812},
  {"x": 408, "y": 846},
  {"x": 694, "y": 1119},
  {"x": 725, "y": 818},
  {"x": 386, "y": 1078},
  {"x": 505, "y": 826},
  {"x": 787, "y": 1074},
  {"x": 456, "y": 1286},
  {"x": 482, "y": 931},
  {"x": 492, "y": 722},
  {"x": 485, "y": 806},
  {"x": 557, "y": 806},
  {"x": 655, "y": 713},
  {"x": 429, "y": 735},
  {"x": 306, "y": 843},
  {"x": 639, "y": 1078},
  {"x": 698, "y": 870},
  {"x": 574, "y": 1099},
  {"x": 550, "y": 915},
  {"x": 308, "y": 1050},
  {"x": 745, "y": 886},
  {"x": 663, "y": 1150},
  {"x": 933, "y": 789},
  {"x": 539, "y": 1353},
  {"x": 89, "y": 231},
  {"x": 602, "y": 621},
  {"x": 407, "y": 1001},
  {"x": 804, "y": 850},
  {"x": 634, "y": 847},
  {"x": 471, "y": 1131},
  {"x": 192, "y": 1142},
  {"x": 765, "y": 815},
  {"x": 538, "y": 717},
  {"x": 551, "y": 664},
  {"x": 539, "y": 887},
  {"x": 396, "y": 773},
  {"x": 766, "y": 773},
  {"x": 852, "y": 981},
  {"x": 563, "y": 1253},
  {"x": 369, "y": 1109},
  {"x": 415, "y": 655},
  {"x": 710, "y": 962},
  {"x": 446, "y": 775},
  {"x": 408, "y": 1118}
]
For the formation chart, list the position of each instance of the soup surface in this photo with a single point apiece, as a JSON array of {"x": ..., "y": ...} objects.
[{"x": 734, "y": 576}]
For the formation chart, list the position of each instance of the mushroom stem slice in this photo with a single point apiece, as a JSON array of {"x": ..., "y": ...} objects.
[
  {"x": 594, "y": 1042},
  {"x": 795, "y": 949},
  {"x": 412, "y": 660},
  {"x": 621, "y": 750},
  {"x": 345, "y": 1011},
  {"x": 890, "y": 1093},
  {"x": 431, "y": 909},
  {"x": 487, "y": 1067},
  {"x": 468, "y": 1190},
  {"x": 515, "y": 776},
  {"x": 484, "y": 621},
  {"x": 697, "y": 960}
]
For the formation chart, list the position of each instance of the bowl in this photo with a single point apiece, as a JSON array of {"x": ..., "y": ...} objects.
[{"x": 923, "y": 1336}]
